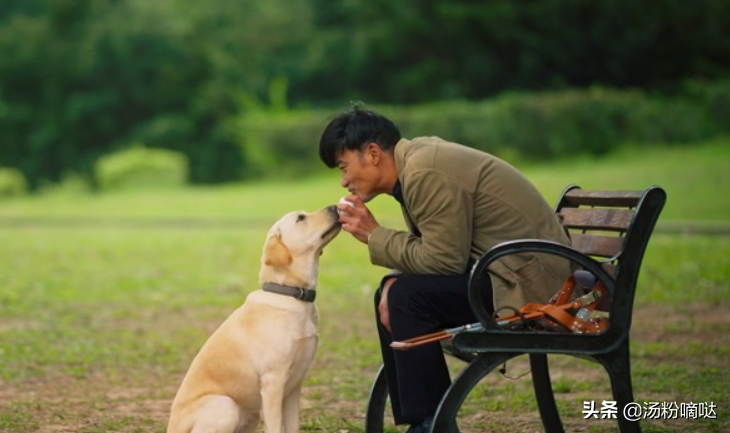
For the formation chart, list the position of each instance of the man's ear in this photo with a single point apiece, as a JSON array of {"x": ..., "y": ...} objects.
[
  {"x": 276, "y": 253},
  {"x": 374, "y": 152}
]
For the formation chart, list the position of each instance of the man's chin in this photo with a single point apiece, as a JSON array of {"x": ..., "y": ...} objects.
[{"x": 366, "y": 198}]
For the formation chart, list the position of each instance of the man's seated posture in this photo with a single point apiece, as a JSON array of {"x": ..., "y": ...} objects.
[{"x": 457, "y": 202}]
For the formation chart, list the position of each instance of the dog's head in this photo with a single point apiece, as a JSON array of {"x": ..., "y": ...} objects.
[{"x": 294, "y": 244}]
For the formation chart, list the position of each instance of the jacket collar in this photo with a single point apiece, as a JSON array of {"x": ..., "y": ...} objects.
[{"x": 399, "y": 153}]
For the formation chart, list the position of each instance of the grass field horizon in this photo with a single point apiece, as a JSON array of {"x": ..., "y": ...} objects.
[
  {"x": 698, "y": 173},
  {"x": 105, "y": 299}
]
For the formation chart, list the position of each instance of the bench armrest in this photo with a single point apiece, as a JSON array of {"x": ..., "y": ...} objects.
[{"x": 479, "y": 271}]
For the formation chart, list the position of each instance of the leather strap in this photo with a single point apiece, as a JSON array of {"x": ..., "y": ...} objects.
[{"x": 306, "y": 295}]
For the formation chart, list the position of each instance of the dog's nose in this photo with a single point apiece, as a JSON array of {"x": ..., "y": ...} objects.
[{"x": 333, "y": 210}]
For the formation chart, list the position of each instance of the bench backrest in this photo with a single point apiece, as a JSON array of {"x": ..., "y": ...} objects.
[{"x": 613, "y": 227}]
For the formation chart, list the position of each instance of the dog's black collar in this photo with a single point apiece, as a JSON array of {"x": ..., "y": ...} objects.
[{"x": 306, "y": 295}]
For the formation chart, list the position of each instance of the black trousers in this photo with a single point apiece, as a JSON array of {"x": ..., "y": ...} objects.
[{"x": 418, "y": 305}]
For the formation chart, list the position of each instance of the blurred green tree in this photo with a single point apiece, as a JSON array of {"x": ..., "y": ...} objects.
[
  {"x": 82, "y": 78},
  {"x": 423, "y": 50}
]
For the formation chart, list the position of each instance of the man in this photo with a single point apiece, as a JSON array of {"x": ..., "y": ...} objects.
[{"x": 457, "y": 202}]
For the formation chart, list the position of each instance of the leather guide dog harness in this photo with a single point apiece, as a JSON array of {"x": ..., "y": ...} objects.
[
  {"x": 560, "y": 314},
  {"x": 306, "y": 295}
]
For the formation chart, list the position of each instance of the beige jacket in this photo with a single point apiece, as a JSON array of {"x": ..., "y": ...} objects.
[{"x": 463, "y": 202}]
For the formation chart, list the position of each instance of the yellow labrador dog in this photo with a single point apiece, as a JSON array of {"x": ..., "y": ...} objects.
[{"x": 254, "y": 363}]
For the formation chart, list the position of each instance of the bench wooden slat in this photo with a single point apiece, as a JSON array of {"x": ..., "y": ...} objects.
[
  {"x": 601, "y": 246},
  {"x": 597, "y": 219},
  {"x": 608, "y": 267},
  {"x": 603, "y": 198}
]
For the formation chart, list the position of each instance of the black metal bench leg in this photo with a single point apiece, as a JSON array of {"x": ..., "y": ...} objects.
[
  {"x": 462, "y": 386},
  {"x": 375, "y": 413},
  {"x": 618, "y": 365},
  {"x": 544, "y": 393}
]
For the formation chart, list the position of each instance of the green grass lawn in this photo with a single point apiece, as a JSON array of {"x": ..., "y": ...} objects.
[
  {"x": 696, "y": 179},
  {"x": 105, "y": 299}
]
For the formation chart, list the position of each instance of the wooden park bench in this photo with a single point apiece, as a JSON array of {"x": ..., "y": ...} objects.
[{"x": 610, "y": 231}]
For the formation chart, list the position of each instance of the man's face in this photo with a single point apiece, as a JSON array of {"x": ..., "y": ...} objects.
[{"x": 359, "y": 175}]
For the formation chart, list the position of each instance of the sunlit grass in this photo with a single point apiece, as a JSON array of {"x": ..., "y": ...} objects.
[{"x": 696, "y": 179}]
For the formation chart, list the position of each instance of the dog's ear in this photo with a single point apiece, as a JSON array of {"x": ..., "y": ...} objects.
[{"x": 276, "y": 253}]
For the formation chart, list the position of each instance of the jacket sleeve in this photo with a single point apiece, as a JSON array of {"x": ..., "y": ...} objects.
[{"x": 442, "y": 209}]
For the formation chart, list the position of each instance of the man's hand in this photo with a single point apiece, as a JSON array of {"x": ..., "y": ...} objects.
[
  {"x": 383, "y": 306},
  {"x": 357, "y": 220}
]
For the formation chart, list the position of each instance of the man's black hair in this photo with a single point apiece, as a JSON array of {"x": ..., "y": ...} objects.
[{"x": 355, "y": 129}]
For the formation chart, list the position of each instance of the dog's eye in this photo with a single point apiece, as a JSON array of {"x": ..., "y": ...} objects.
[{"x": 301, "y": 218}]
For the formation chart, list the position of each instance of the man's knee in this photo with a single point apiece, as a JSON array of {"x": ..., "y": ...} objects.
[
  {"x": 385, "y": 284},
  {"x": 400, "y": 294}
]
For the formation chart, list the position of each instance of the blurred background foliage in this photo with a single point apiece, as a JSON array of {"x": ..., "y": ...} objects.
[{"x": 241, "y": 89}]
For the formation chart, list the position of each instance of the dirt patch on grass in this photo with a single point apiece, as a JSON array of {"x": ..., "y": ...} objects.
[
  {"x": 94, "y": 404},
  {"x": 140, "y": 401},
  {"x": 697, "y": 323}
]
